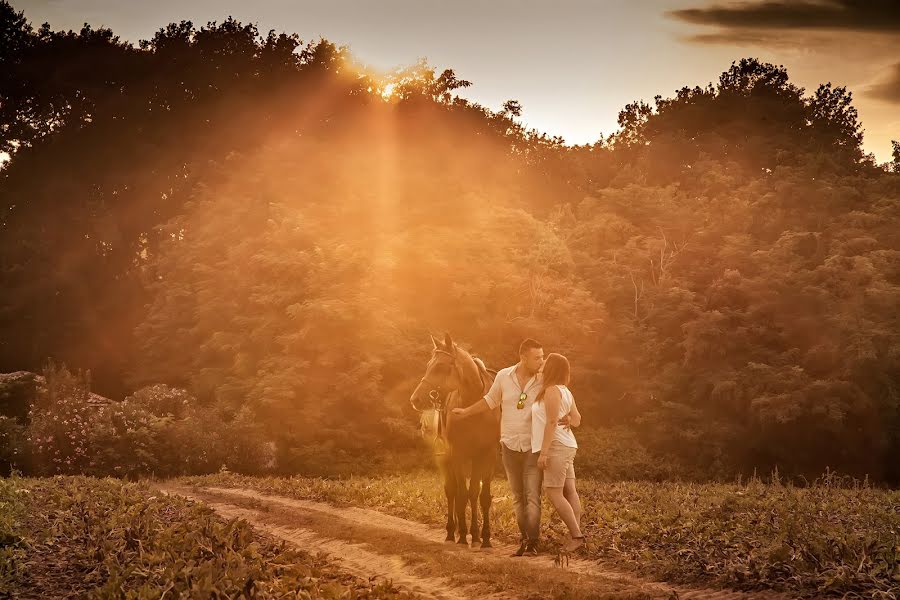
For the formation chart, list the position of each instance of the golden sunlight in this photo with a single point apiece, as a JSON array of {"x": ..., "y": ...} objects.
[{"x": 388, "y": 90}]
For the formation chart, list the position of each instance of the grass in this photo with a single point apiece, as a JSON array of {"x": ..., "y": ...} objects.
[
  {"x": 105, "y": 538},
  {"x": 828, "y": 539}
]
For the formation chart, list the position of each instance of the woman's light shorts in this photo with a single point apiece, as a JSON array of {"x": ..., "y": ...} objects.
[{"x": 560, "y": 465}]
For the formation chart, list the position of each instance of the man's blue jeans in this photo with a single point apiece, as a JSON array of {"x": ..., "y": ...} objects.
[{"x": 525, "y": 483}]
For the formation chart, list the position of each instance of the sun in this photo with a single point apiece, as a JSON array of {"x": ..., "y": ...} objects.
[{"x": 388, "y": 90}]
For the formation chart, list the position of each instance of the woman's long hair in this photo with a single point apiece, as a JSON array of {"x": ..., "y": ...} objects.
[{"x": 556, "y": 372}]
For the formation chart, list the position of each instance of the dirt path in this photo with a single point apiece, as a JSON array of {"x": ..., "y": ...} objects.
[{"x": 416, "y": 558}]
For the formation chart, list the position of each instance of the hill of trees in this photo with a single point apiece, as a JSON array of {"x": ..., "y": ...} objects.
[{"x": 266, "y": 224}]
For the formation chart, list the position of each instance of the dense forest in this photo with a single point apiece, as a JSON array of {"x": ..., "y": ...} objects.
[{"x": 248, "y": 238}]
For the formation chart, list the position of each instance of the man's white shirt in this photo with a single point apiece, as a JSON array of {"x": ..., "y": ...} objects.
[{"x": 515, "y": 423}]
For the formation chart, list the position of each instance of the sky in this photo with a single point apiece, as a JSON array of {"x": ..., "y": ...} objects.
[{"x": 573, "y": 64}]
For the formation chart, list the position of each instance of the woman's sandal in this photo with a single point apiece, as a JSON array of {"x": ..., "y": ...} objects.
[{"x": 574, "y": 544}]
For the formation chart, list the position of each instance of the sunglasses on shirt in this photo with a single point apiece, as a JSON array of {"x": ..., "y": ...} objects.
[{"x": 522, "y": 398}]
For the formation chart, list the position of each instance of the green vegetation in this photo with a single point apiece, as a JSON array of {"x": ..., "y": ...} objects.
[
  {"x": 246, "y": 242},
  {"x": 102, "y": 538},
  {"x": 833, "y": 538},
  {"x": 250, "y": 221},
  {"x": 159, "y": 431}
]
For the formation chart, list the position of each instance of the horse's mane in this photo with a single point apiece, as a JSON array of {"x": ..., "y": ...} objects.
[{"x": 476, "y": 378}]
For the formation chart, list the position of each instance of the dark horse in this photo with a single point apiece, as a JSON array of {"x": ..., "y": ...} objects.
[{"x": 453, "y": 378}]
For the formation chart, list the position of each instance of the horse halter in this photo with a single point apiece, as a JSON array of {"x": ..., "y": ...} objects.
[{"x": 437, "y": 395}]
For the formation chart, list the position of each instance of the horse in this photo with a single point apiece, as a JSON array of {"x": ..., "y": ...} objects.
[{"x": 454, "y": 378}]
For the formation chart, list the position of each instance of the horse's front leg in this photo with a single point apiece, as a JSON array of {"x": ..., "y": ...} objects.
[
  {"x": 474, "y": 489},
  {"x": 450, "y": 493},
  {"x": 461, "y": 501},
  {"x": 486, "y": 512}
]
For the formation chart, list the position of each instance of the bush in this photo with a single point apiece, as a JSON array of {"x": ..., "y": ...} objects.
[
  {"x": 246, "y": 448},
  {"x": 13, "y": 453},
  {"x": 59, "y": 422},
  {"x": 162, "y": 431},
  {"x": 393, "y": 445},
  {"x": 159, "y": 430},
  {"x": 17, "y": 392},
  {"x": 615, "y": 454},
  {"x": 129, "y": 441},
  {"x": 162, "y": 400}
]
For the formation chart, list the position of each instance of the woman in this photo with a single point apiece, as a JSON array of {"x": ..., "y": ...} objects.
[{"x": 556, "y": 444}]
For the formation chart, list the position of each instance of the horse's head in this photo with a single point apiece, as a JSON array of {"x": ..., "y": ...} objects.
[{"x": 440, "y": 379}]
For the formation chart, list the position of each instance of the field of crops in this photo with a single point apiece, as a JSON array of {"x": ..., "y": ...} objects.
[
  {"x": 86, "y": 537},
  {"x": 68, "y": 537},
  {"x": 834, "y": 538}
]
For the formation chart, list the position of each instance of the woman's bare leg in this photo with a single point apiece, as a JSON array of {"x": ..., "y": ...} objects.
[
  {"x": 571, "y": 494},
  {"x": 564, "y": 509}
]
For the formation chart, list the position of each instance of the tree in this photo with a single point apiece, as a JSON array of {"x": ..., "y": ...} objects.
[
  {"x": 754, "y": 119},
  {"x": 262, "y": 221},
  {"x": 277, "y": 294}
]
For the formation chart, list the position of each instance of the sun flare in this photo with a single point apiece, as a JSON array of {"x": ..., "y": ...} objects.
[{"x": 388, "y": 90}]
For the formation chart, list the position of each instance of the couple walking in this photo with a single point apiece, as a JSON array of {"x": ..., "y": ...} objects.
[{"x": 536, "y": 440}]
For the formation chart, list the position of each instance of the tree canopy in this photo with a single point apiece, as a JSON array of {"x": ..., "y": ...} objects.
[{"x": 270, "y": 225}]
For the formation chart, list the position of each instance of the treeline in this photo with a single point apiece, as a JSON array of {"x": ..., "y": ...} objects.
[{"x": 264, "y": 223}]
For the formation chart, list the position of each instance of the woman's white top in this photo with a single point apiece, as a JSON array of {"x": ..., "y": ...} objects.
[{"x": 539, "y": 421}]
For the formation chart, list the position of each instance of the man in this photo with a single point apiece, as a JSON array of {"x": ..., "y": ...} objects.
[{"x": 514, "y": 390}]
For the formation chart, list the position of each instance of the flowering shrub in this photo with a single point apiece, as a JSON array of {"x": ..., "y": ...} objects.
[
  {"x": 59, "y": 421},
  {"x": 162, "y": 400},
  {"x": 159, "y": 430}
]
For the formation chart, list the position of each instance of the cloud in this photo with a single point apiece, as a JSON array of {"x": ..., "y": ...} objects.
[
  {"x": 875, "y": 16},
  {"x": 888, "y": 88},
  {"x": 766, "y": 39}
]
